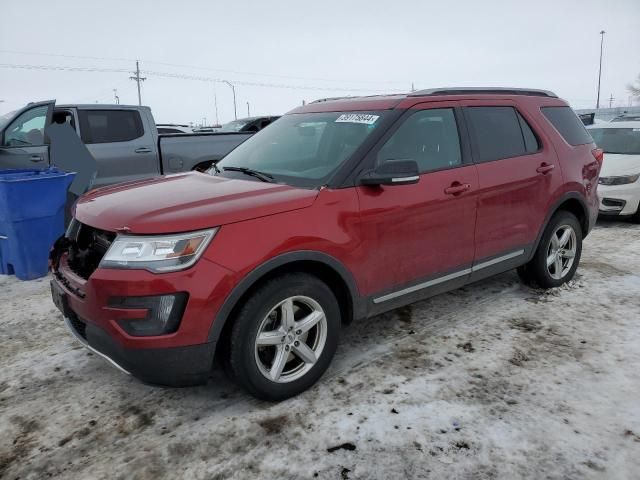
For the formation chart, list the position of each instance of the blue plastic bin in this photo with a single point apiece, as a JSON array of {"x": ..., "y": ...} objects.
[{"x": 31, "y": 219}]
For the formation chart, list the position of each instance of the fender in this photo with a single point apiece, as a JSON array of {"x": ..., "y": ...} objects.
[
  {"x": 359, "y": 306},
  {"x": 566, "y": 196}
]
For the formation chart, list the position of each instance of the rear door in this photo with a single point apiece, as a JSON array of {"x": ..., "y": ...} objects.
[
  {"x": 421, "y": 235},
  {"x": 23, "y": 143},
  {"x": 518, "y": 173},
  {"x": 122, "y": 142}
]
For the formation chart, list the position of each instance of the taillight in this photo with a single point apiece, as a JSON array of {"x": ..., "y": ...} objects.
[{"x": 598, "y": 154}]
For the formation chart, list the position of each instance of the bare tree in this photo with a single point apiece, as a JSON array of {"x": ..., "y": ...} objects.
[{"x": 634, "y": 88}]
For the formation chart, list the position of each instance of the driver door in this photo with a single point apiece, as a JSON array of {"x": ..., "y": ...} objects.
[{"x": 22, "y": 142}]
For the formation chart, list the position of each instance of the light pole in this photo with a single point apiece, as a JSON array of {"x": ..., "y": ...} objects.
[
  {"x": 602, "y": 32},
  {"x": 115, "y": 96},
  {"x": 215, "y": 102},
  {"x": 248, "y": 111},
  {"x": 233, "y": 89}
]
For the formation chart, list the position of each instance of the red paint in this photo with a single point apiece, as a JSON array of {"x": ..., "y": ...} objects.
[{"x": 385, "y": 237}]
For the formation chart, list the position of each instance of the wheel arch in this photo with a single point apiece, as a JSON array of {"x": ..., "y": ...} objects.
[
  {"x": 337, "y": 277},
  {"x": 572, "y": 202}
]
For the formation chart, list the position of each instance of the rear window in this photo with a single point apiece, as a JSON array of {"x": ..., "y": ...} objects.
[
  {"x": 568, "y": 125},
  {"x": 500, "y": 132},
  {"x": 110, "y": 126}
]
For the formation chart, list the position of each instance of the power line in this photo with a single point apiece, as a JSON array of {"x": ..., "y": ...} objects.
[
  {"x": 198, "y": 67},
  {"x": 193, "y": 77}
]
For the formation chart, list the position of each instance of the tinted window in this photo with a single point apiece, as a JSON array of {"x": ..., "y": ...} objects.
[
  {"x": 567, "y": 124},
  {"x": 430, "y": 137},
  {"x": 108, "y": 126},
  {"x": 27, "y": 129},
  {"x": 162, "y": 130},
  {"x": 531, "y": 143},
  {"x": 497, "y": 133}
]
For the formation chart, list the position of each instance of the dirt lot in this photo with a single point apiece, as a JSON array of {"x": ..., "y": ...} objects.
[{"x": 495, "y": 380}]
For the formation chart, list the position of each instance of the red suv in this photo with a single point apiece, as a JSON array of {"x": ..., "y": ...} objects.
[{"x": 341, "y": 209}]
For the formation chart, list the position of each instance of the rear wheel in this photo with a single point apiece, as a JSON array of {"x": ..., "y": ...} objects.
[
  {"x": 284, "y": 337},
  {"x": 558, "y": 254}
]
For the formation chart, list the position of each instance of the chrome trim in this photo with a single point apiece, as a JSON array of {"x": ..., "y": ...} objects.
[
  {"x": 420, "y": 286},
  {"x": 488, "y": 263},
  {"x": 446, "y": 278},
  {"x": 90, "y": 348},
  {"x": 2, "y": 237},
  {"x": 405, "y": 179}
]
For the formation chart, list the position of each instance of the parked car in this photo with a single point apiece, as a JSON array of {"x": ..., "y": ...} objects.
[
  {"x": 619, "y": 189},
  {"x": 123, "y": 139},
  {"x": 249, "y": 124},
  {"x": 342, "y": 209},
  {"x": 626, "y": 117},
  {"x": 169, "y": 128}
]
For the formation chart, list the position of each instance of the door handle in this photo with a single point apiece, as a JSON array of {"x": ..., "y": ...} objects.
[
  {"x": 143, "y": 150},
  {"x": 545, "y": 168},
  {"x": 457, "y": 188},
  {"x": 36, "y": 158}
]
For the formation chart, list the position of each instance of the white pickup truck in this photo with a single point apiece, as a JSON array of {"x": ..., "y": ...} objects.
[{"x": 123, "y": 139}]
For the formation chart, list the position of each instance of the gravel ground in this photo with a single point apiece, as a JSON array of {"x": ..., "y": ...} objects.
[{"x": 494, "y": 380}]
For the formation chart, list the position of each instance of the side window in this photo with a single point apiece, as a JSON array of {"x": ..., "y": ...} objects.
[
  {"x": 497, "y": 133},
  {"x": 27, "y": 129},
  {"x": 109, "y": 126},
  {"x": 531, "y": 143},
  {"x": 567, "y": 123},
  {"x": 430, "y": 137}
]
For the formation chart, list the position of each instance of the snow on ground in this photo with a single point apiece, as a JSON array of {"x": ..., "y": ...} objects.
[{"x": 494, "y": 380}]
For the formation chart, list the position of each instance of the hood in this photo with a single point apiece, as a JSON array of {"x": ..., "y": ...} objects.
[
  {"x": 615, "y": 165},
  {"x": 185, "y": 202}
]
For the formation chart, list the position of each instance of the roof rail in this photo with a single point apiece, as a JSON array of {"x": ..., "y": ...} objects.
[
  {"x": 483, "y": 91},
  {"x": 329, "y": 99}
]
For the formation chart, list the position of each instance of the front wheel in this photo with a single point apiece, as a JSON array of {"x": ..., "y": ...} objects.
[
  {"x": 284, "y": 337},
  {"x": 558, "y": 254}
]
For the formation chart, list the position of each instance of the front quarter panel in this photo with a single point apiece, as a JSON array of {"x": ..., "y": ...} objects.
[{"x": 329, "y": 226}]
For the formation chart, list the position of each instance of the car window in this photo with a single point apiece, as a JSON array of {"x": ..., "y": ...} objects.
[
  {"x": 110, "y": 126},
  {"x": 304, "y": 149},
  {"x": 625, "y": 141},
  {"x": 497, "y": 133},
  {"x": 27, "y": 129},
  {"x": 430, "y": 137},
  {"x": 531, "y": 142},
  {"x": 567, "y": 123}
]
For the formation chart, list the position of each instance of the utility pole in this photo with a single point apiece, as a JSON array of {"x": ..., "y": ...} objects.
[
  {"x": 611, "y": 99},
  {"x": 215, "y": 102},
  {"x": 115, "y": 95},
  {"x": 413, "y": 89},
  {"x": 602, "y": 32},
  {"x": 138, "y": 79},
  {"x": 233, "y": 89},
  {"x": 248, "y": 111}
]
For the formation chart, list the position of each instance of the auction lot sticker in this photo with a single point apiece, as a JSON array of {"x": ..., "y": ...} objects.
[{"x": 357, "y": 118}]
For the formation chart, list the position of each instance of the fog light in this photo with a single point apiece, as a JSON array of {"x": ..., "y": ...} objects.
[{"x": 164, "y": 313}]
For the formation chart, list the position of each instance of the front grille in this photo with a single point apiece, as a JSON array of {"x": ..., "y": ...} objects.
[{"x": 87, "y": 246}]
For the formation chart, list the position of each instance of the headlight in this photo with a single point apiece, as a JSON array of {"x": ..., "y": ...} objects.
[
  {"x": 619, "y": 180},
  {"x": 166, "y": 253}
]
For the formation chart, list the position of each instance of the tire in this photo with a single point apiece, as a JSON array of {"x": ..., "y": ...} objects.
[
  {"x": 564, "y": 257},
  {"x": 635, "y": 218},
  {"x": 275, "y": 369}
]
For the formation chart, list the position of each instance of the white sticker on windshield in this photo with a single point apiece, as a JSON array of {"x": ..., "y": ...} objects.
[{"x": 357, "y": 118}]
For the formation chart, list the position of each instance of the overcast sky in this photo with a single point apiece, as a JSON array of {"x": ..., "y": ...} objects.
[{"x": 304, "y": 50}]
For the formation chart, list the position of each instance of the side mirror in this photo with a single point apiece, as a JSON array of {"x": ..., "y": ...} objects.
[{"x": 393, "y": 172}]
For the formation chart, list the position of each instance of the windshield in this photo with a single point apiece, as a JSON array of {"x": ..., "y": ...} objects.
[
  {"x": 234, "y": 126},
  {"x": 5, "y": 118},
  {"x": 303, "y": 149},
  {"x": 617, "y": 140}
]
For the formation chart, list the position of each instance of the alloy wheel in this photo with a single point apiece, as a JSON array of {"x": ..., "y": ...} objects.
[
  {"x": 561, "y": 251},
  {"x": 290, "y": 339}
]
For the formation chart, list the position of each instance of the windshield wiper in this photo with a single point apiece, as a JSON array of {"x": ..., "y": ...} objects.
[{"x": 265, "y": 177}]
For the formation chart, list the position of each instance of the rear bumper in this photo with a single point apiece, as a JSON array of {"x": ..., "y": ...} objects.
[{"x": 174, "y": 367}]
